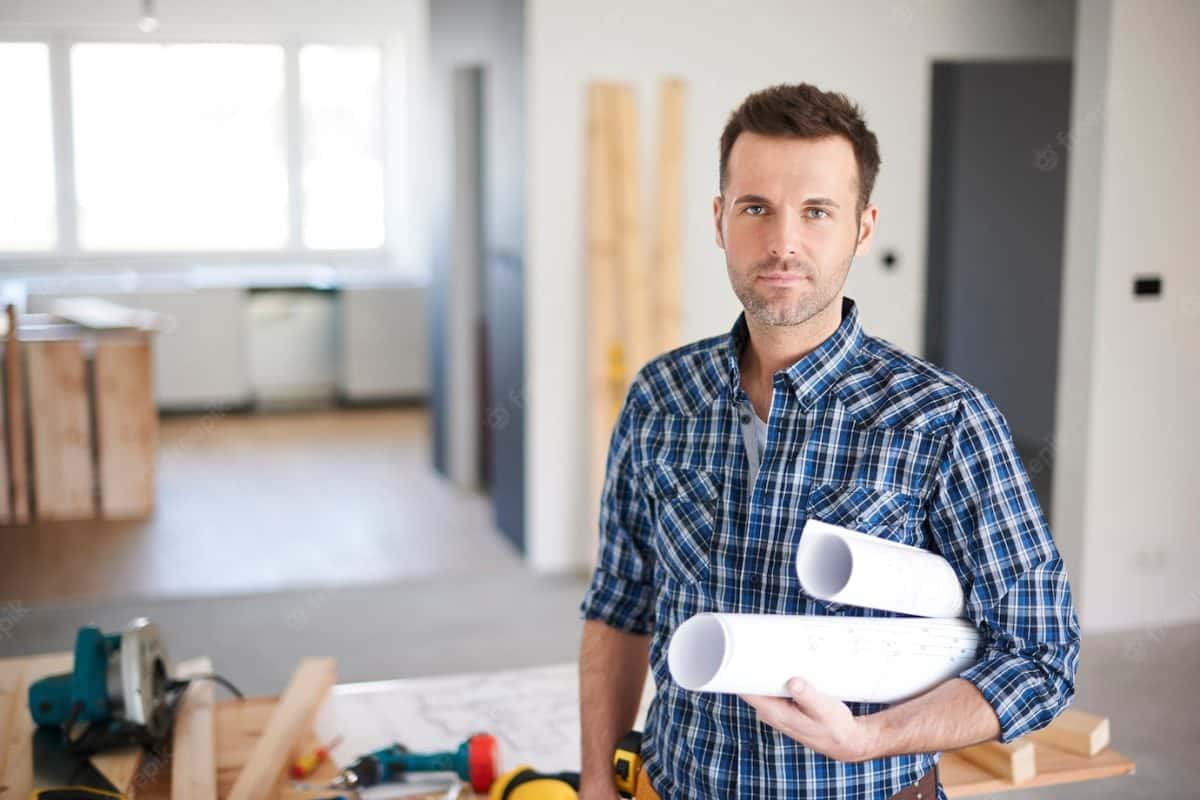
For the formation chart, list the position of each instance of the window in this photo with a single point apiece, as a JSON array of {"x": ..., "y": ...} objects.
[
  {"x": 180, "y": 147},
  {"x": 340, "y": 89},
  {"x": 190, "y": 147},
  {"x": 27, "y": 196}
]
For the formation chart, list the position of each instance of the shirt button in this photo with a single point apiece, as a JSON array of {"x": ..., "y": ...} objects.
[{"x": 745, "y": 419}]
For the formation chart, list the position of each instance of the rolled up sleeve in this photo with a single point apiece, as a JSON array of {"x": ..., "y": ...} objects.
[
  {"x": 985, "y": 519},
  {"x": 621, "y": 591}
]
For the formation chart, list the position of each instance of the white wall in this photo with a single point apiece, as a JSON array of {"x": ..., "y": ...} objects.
[
  {"x": 1128, "y": 466},
  {"x": 879, "y": 53},
  {"x": 401, "y": 27}
]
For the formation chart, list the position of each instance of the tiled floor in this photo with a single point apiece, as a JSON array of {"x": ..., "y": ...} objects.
[{"x": 259, "y": 503}]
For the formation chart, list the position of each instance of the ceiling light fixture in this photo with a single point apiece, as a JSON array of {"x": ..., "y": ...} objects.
[{"x": 149, "y": 21}]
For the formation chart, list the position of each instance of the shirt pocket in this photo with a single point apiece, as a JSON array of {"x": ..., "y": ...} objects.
[
  {"x": 685, "y": 511},
  {"x": 877, "y": 512}
]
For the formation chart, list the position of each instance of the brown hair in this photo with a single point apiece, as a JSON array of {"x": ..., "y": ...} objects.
[{"x": 804, "y": 111}]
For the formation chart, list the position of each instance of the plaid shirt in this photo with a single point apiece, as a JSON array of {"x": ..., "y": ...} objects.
[{"x": 860, "y": 434}]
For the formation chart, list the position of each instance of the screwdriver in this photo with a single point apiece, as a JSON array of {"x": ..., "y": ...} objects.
[{"x": 307, "y": 764}]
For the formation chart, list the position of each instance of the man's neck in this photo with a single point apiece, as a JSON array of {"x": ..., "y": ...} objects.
[{"x": 771, "y": 349}]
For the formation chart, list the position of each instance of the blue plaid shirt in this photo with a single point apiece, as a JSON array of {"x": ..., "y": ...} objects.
[{"x": 860, "y": 434}]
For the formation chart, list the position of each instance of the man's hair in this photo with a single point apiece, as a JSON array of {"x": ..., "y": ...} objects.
[{"x": 802, "y": 110}]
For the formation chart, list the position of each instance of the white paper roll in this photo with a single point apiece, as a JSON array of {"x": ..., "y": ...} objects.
[
  {"x": 867, "y": 659},
  {"x": 856, "y": 569}
]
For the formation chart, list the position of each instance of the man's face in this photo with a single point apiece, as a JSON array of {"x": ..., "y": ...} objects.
[{"x": 788, "y": 224}]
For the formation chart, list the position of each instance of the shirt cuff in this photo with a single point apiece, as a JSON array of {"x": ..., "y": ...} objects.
[
  {"x": 618, "y": 603},
  {"x": 1016, "y": 691}
]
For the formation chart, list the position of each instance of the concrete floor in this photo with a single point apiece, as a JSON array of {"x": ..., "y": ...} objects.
[
  {"x": 1145, "y": 682},
  {"x": 350, "y": 546},
  {"x": 429, "y": 626},
  {"x": 268, "y": 502}
]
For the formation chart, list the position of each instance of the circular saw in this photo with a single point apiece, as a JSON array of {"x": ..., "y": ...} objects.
[{"x": 119, "y": 691}]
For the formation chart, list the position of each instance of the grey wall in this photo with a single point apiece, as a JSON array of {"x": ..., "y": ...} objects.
[
  {"x": 489, "y": 34},
  {"x": 997, "y": 196},
  {"x": 1127, "y": 460},
  {"x": 723, "y": 53}
]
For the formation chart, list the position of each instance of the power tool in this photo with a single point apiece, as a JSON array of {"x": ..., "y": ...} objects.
[
  {"x": 525, "y": 783},
  {"x": 119, "y": 689},
  {"x": 476, "y": 761}
]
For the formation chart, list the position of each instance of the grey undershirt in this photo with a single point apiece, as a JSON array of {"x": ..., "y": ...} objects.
[{"x": 754, "y": 436}]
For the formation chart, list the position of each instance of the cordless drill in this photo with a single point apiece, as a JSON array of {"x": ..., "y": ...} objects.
[{"x": 476, "y": 761}]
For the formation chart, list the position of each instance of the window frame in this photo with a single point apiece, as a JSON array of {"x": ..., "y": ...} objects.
[{"x": 67, "y": 251}]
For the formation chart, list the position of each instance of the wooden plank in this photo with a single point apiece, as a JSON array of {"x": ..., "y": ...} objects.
[
  {"x": 1055, "y": 766},
  {"x": 961, "y": 778},
  {"x": 1076, "y": 732},
  {"x": 290, "y": 721},
  {"x": 16, "y": 778},
  {"x": 126, "y": 426},
  {"x": 120, "y": 767},
  {"x": 63, "y": 479},
  {"x": 1014, "y": 762},
  {"x": 604, "y": 349},
  {"x": 667, "y": 291},
  {"x": 14, "y": 408},
  {"x": 5, "y": 485},
  {"x": 12, "y": 679},
  {"x": 194, "y": 749},
  {"x": 97, "y": 314},
  {"x": 634, "y": 302},
  {"x": 238, "y": 726}
]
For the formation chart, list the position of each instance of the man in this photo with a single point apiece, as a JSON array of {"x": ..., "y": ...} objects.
[{"x": 725, "y": 447}]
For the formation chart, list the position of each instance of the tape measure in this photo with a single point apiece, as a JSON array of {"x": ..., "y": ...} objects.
[
  {"x": 627, "y": 763},
  {"x": 525, "y": 783}
]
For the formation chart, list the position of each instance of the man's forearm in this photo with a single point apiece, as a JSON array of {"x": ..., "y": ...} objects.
[
  {"x": 612, "y": 671},
  {"x": 952, "y": 715}
]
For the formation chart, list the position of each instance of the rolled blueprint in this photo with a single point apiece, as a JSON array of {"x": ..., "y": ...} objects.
[
  {"x": 855, "y": 569},
  {"x": 866, "y": 659}
]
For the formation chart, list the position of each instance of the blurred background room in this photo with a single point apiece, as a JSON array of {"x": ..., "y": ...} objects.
[{"x": 299, "y": 356}]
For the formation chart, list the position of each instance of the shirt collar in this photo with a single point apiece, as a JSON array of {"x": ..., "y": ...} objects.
[{"x": 812, "y": 375}]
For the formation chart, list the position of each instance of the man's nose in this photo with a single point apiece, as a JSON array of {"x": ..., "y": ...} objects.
[{"x": 784, "y": 236}]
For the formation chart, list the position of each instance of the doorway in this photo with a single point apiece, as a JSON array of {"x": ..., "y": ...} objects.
[{"x": 998, "y": 167}]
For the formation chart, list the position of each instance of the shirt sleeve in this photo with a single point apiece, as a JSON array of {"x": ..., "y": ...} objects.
[
  {"x": 985, "y": 519},
  {"x": 621, "y": 592}
]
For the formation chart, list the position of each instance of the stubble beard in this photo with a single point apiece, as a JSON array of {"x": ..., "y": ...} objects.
[{"x": 775, "y": 307}]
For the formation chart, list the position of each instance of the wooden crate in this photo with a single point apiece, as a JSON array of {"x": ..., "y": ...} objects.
[{"x": 80, "y": 426}]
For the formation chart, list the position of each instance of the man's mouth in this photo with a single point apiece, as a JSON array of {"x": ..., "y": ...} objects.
[{"x": 781, "y": 278}]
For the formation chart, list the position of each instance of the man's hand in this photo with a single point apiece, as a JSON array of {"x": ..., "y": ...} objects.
[{"x": 817, "y": 721}]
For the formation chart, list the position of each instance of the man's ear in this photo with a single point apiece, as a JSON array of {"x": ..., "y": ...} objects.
[
  {"x": 717, "y": 221},
  {"x": 866, "y": 230}
]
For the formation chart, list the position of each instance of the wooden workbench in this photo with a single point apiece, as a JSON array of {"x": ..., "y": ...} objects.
[{"x": 533, "y": 712}]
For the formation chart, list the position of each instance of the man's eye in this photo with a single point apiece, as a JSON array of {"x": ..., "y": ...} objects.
[
  {"x": 813, "y": 212},
  {"x": 755, "y": 211}
]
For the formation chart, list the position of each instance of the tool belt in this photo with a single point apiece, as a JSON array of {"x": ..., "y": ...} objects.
[{"x": 923, "y": 789}]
